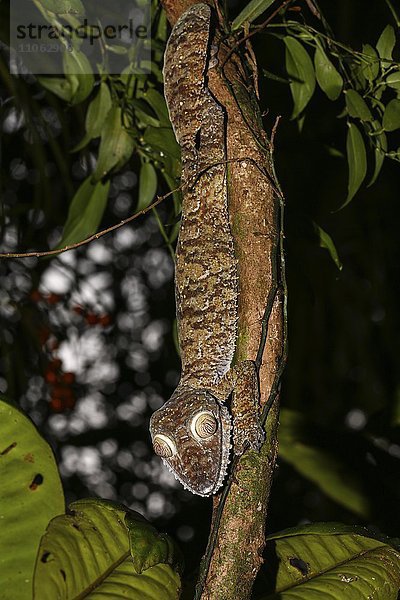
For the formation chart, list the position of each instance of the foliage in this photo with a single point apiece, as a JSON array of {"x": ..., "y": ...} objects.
[
  {"x": 30, "y": 496},
  {"x": 367, "y": 80},
  {"x": 97, "y": 548},
  {"x": 336, "y": 478},
  {"x": 320, "y": 557},
  {"x": 127, "y": 113},
  {"x": 101, "y": 548}
]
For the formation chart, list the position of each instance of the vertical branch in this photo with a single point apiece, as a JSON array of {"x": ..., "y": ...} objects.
[
  {"x": 254, "y": 205},
  {"x": 256, "y": 225}
]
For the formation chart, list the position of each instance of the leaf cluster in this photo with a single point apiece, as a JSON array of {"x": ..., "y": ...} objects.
[
  {"x": 366, "y": 82},
  {"x": 99, "y": 549},
  {"x": 126, "y": 116},
  {"x": 94, "y": 549},
  {"x": 365, "y": 85}
]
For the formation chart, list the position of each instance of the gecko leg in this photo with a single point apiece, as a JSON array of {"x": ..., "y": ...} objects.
[{"x": 242, "y": 380}]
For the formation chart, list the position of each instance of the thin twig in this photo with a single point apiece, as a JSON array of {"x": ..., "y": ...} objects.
[
  {"x": 273, "y": 133},
  {"x": 95, "y": 236},
  {"x": 314, "y": 10}
]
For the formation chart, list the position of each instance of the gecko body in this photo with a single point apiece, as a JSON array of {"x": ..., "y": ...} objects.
[{"x": 192, "y": 431}]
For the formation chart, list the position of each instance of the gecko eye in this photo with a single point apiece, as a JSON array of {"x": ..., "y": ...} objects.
[
  {"x": 164, "y": 446},
  {"x": 203, "y": 425}
]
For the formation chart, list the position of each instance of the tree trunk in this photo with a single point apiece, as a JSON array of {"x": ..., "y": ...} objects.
[{"x": 234, "y": 553}]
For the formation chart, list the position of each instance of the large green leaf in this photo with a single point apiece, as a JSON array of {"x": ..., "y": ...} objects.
[
  {"x": 250, "y": 12},
  {"x": 332, "y": 561},
  {"x": 85, "y": 212},
  {"x": 301, "y": 72},
  {"x": 30, "y": 495},
  {"x": 357, "y": 161},
  {"x": 102, "y": 550},
  {"x": 319, "y": 465},
  {"x": 329, "y": 79},
  {"x": 116, "y": 144}
]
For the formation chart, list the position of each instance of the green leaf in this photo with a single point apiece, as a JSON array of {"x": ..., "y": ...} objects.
[
  {"x": 371, "y": 67},
  {"x": 98, "y": 110},
  {"x": 253, "y": 10},
  {"x": 105, "y": 551},
  {"x": 144, "y": 113},
  {"x": 391, "y": 116},
  {"x": 116, "y": 144},
  {"x": 301, "y": 72},
  {"x": 356, "y": 106},
  {"x": 319, "y": 465},
  {"x": 393, "y": 80},
  {"x": 329, "y": 560},
  {"x": 85, "y": 212},
  {"x": 329, "y": 79},
  {"x": 325, "y": 241},
  {"x": 380, "y": 148},
  {"x": 147, "y": 185},
  {"x": 96, "y": 115},
  {"x": 60, "y": 86},
  {"x": 385, "y": 45},
  {"x": 148, "y": 547},
  {"x": 78, "y": 71},
  {"x": 357, "y": 161},
  {"x": 30, "y": 495}
]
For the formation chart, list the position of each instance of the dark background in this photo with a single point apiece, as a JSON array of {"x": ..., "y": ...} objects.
[{"x": 105, "y": 313}]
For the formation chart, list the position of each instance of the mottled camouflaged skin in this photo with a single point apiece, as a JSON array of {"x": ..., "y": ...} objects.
[
  {"x": 206, "y": 270},
  {"x": 206, "y": 280}
]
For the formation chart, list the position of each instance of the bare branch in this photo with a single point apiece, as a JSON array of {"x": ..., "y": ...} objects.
[{"x": 95, "y": 236}]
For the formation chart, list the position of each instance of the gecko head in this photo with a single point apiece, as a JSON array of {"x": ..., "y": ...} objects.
[{"x": 191, "y": 433}]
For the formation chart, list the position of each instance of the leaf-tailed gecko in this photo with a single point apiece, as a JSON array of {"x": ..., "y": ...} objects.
[{"x": 192, "y": 431}]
